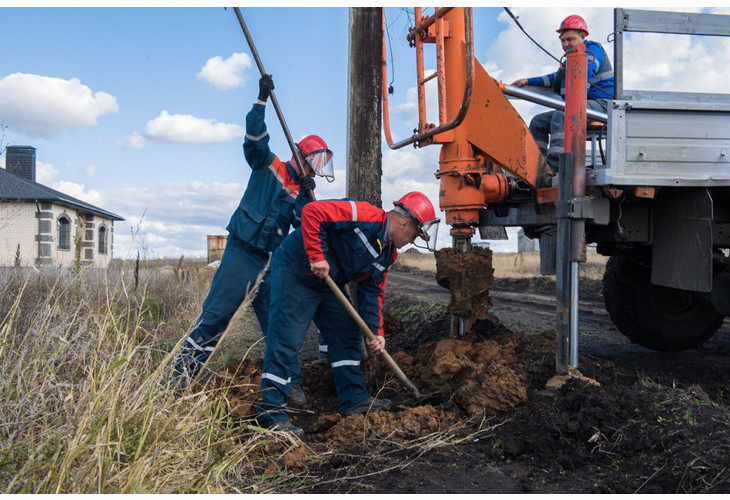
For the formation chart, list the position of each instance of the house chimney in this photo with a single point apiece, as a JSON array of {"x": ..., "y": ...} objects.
[{"x": 20, "y": 160}]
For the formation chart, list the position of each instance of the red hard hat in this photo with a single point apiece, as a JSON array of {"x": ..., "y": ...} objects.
[
  {"x": 318, "y": 155},
  {"x": 573, "y": 22},
  {"x": 418, "y": 206},
  {"x": 311, "y": 143}
]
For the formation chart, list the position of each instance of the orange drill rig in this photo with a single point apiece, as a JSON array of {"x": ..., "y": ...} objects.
[
  {"x": 485, "y": 137},
  {"x": 657, "y": 202}
]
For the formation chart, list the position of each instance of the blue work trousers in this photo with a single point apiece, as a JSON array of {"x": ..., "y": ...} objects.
[
  {"x": 548, "y": 130},
  {"x": 236, "y": 275},
  {"x": 296, "y": 300}
]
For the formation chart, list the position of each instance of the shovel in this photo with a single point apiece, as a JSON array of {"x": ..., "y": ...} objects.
[{"x": 370, "y": 335}]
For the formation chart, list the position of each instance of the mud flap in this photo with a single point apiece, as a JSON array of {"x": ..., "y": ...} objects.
[{"x": 682, "y": 239}]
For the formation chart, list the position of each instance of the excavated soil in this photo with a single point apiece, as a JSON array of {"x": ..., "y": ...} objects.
[
  {"x": 485, "y": 423},
  {"x": 468, "y": 276}
]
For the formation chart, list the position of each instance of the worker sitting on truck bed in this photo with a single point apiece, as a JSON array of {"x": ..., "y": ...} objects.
[
  {"x": 272, "y": 202},
  {"x": 551, "y": 124},
  {"x": 349, "y": 241}
]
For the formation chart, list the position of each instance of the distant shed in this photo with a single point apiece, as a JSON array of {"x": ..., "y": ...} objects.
[{"x": 216, "y": 246}]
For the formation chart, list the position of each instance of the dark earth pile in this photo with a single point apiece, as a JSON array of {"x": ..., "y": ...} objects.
[{"x": 486, "y": 423}]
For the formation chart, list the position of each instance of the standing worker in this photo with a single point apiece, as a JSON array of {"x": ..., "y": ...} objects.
[
  {"x": 272, "y": 202},
  {"x": 551, "y": 124},
  {"x": 349, "y": 241}
]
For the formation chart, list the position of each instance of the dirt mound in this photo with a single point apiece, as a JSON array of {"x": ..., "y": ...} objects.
[
  {"x": 459, "y": 378},
  {"x": 397, "y": 425},
  {"x": 677, "y": 435},
  {"x": 463, "y": 376},
  {"x": 474, "y": 374},
  {"x": 487, "y": 423}
]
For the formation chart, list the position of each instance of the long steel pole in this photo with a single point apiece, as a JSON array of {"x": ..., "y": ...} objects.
[
  {"x": 274, "y": 100},
  {"x": 550, "y": 102},
  {"x": 575, "y": 143}
]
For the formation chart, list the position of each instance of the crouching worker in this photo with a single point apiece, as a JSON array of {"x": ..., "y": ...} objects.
[{"x": 349, "y": 241}]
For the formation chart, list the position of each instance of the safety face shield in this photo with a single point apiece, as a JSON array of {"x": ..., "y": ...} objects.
[
  {"x": 429, "y": 234},
  {"x": 322, "y": 164}
]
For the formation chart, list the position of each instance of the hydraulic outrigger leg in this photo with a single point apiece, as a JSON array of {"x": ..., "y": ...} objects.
[{"x": 571, "y": 217}]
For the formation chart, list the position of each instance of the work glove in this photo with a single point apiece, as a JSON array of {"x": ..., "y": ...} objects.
[
  {"x": 559, "y": 78},
  {"x": 306, "y": 184},
  {"x": 266, "y": 85}
]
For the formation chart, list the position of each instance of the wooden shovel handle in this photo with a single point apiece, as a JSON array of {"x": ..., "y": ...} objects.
[{"x": 369, "y": 334}]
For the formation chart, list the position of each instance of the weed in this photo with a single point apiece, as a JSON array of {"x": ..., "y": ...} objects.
[
  {"x": 498, "y": 444},
  {"x": 524, "y": 326}
]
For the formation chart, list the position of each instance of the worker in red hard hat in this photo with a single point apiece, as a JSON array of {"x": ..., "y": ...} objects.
[
  {"x": 348, "y": 241},
  {"x": 548, "y": 129},
  {"x": 270, "y": 206},
  {"x": 317, "y": 156}
]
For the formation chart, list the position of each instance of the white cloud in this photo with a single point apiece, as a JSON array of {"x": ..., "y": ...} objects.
[
  {"x": 407, "y": 110},
  {"x": 46, "y": 174},
  {"x": 133, "y": 141},
  {"x": 171, "y": 219},
  {"x": 188, "y": 129},
  {"x": 41, "y": 106},
  {"x": 50, "y": 176},
  {"x": 226, "y": 74}
]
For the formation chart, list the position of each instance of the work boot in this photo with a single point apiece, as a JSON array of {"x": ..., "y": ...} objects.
[
  {"x": 287, "y": 426},
  {"x": 322, "y": 359},
  {"x": 180, "y": 382},
  {"x": 297, "y": 398},
  {"x": 372, "y": 404},
  {"x": 186, "y": 368}
]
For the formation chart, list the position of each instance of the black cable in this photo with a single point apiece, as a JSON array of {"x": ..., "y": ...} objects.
[{"x": 528, "y": 35}]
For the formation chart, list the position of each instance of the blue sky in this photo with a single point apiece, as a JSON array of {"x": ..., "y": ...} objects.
[{"x": 140, "y": 111}]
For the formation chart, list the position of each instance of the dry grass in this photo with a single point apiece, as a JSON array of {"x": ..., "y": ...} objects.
[
  {"x": 84, "y": 406},
  {"x": 509, "y": 265}
]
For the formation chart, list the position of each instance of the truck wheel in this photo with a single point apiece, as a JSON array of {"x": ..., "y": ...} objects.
[{"x": 653, "y": 316}]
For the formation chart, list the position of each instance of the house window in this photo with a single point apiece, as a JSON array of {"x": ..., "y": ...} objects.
[
  {"x": 64, "y": 233},
  {"x": 102, "y": 240}
]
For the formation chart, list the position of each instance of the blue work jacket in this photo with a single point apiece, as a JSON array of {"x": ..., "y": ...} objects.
[
  {"x": 272, "y": 202},
  {"x": 599, "y": 76}
]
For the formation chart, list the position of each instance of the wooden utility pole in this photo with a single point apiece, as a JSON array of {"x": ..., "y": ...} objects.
[{"x": 364, "y": 112}]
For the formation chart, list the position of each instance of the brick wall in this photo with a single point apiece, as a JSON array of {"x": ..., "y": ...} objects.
[{"x": 27, "y": 230}]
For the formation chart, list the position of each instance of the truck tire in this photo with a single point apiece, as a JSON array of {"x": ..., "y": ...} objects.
[{"x": 653, "y": 316}]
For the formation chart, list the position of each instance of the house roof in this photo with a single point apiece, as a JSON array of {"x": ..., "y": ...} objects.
[{"x": 16, "y": 188}]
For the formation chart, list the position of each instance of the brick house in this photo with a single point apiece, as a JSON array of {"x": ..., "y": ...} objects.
[{"x": 40, "y": 226}]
